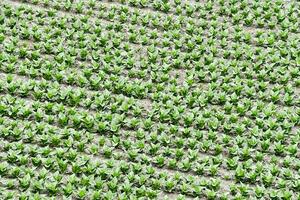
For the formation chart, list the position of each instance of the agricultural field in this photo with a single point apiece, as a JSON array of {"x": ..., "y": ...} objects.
[{"x": 150, "y": 99}]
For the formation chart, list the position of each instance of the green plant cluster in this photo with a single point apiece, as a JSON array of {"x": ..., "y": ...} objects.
[{"x": 149, "y": 99}]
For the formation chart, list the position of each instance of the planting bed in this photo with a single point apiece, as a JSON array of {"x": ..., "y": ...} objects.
[{"x": 149, "y": 99}]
